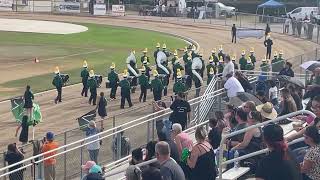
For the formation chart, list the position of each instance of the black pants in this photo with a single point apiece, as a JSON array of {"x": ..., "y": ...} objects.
[
  {"x": 143, "y": 93},
  {"x": 123, "y": 98},
  {"x": 268, "y": 52},
  {"x": 113, "y": 92},
  {"x": 165, "y": 91},
  {"x": 157, "y": 95},
  {"x": 234, "y": 38},
  {"x": 84, "y": 89},
  {"x": 93, "y": 96},
  {"x": 58, "y": 98}
]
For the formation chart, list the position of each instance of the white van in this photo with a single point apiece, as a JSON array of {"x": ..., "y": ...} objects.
[{"x": 301, "y": 12}]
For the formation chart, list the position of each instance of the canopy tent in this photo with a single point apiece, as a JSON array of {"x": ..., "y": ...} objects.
[{"x": 271, "y": 4}]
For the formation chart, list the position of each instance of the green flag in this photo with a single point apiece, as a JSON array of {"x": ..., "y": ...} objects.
[{"x": 18, "y": 111}]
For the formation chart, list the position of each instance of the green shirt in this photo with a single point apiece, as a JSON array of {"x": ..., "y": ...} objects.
[
  {"x": 84, "y": 74},
  {"x": 243, "y": 63},
  {"x": 277, "y": 65},
  {"x": 220, "y": 68},
  {"x": 57, "y": 81},
  {"x": 92, "y": 83},
  {"x": 143, "y": 80},
  {"x": 210, "y": 76},
  {"x": 265, "y": 67},
  {"x": 113, "y": 77},
  {"x": 156, "y": 84},
  {"x": 188, "y": 67},
  {"x": 185, "y": 57},
  {"x": 253, "y": 59},
  {"x": 249, "y": 66},
  {"x": 179, "y": 87},
  {"x": 125, "y": 85},
  {"x": 215, "y": 59}
]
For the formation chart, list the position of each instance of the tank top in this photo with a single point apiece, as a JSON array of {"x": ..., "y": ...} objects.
[{"x": 205, "y": 168}]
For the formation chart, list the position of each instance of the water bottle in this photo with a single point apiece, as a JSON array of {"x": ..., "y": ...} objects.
[{"x": 236, "y": 155}]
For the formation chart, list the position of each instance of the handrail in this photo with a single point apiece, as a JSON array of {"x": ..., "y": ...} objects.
[
  {"x": 225, "y": 136},
  {"x": 98, "y": 134}
]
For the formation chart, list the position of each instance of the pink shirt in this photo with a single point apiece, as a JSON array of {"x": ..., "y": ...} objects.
[{"x": 186, "y": 141}]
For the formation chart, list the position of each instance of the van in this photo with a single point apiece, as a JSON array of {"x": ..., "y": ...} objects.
[{"x": 301, "y": 12}]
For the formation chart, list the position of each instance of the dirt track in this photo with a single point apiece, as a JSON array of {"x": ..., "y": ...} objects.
[{"x": 58, "y": 118}]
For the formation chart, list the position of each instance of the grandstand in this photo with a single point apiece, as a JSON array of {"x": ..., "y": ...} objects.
[{"x": 141, "y": 129}]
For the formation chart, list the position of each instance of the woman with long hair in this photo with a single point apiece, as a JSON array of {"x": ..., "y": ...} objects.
[
  {"x": 24, "y": 134},
  {"x": 278, "y": 164},
  {"x": 287, "y": 103},
  {"x": 102, "y": 108},
  {"x": 13, "y": 156}
]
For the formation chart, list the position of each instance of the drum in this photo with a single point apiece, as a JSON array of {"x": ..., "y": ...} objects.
[
  {"x": 65, "y": 78},
  {"x": 98, "y": 78}
]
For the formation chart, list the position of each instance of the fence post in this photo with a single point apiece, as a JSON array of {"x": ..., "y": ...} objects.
[
  {"x": 255, "y": 21},
  {"x": 153, "y": 126},
  {"x": 81, "y": 159},
  {"x": 4, "y": 164},
  {"x": 113, "y": 136},
  {"x": 118, "y": 145},
  {"x": 240, "y": 20},
  {"x": 316, "y": 54},
  {"x": 198, "y": 113},
  {"x": 65, "y": 156},
  {"x": 148, "y": 131},
  {"x": 301, "y": 63}
]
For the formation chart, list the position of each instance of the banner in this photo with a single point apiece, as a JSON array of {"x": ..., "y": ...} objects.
[
  {"x": 86, "y": 118},
  {"x": 247, "y": 33},
  {"x": 118, "y": 10},
  {"x": 6, "y": 5},
  {"x": 99, "y": 9},
  {"x": 68, "y": 7},
  {"x": 19, "y": 111}
]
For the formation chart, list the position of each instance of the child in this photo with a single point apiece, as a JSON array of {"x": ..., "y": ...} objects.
[{"x": 273, "y": 93}]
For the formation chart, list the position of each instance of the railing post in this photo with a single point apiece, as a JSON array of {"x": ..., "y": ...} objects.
[
  {"x": 198, "y": 112},
  {"x": 148, "y": 131},
  {"x": 40, "y": 169},
  {"x": 118, "y": 145},
  {"x": 65, "y": 157},
  {"x": 219, "y": 102},
  {"x": 153, "y": 126},
  {"x": 316, "y": 54},
  {"x": 240, "y": 20},
  {"x": 113, "y": 136},
  {"x": 81, "y": 160},
  {"x": 4, "y": 164},
  {"x": 301, "y": 63}
]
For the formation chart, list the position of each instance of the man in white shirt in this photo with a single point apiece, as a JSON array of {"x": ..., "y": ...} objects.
[
  {"x": 232, "y": 86},
  {"x": 228, "y": 68}
]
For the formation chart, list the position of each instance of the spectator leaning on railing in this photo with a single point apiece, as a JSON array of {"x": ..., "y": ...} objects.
[
  {"x": 50, "y": 163},
  {"x": 12, "y": 156}
]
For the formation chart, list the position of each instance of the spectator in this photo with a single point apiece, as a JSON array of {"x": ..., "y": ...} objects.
[
  {"x": 286, "y": 25},
  {"x": 150, "y": 151},
  {"x": 267, "y": 111},
  {"x": 214, "y": 136},
  {"x": 202, "y": 158},
  {"x": 181, "y": 139},
  {"x": 124, "y": 143},
  {"x": 169, "y": 169},
  {"x": 86, "y": 167},
  {"x": 299, "y": 26},
  {"x": 220, "y": 120},
  {"x": 311, "y": 161},
  {"x": 228, "y": 67},
  {"x": 252, "y": 140},
  {"x": 241, "y": 117},
  {"x": 28, "y": 104},
  {"x": 249, "y": 106},
  {"x": 136, "y": 156},
  {"x": 24, "y": 134},
  {"x": 174, "y": 153},
  {"x": 101, "y": 106},
  {"x": 152, "y": 174},
  {"x": 273, "y": 93},
  {"x": 95, "y": 173},
  {"x": 287, "y": 104},
  {"x": 278, "y": 164},
  {"x": 93, "y": 148},
  {"x": 267, "y": 31},
  {"x": 133, "y": 173},
  {"x": 287, "y": 71},
  {"x": 243, "y": 81},
  {"x": 294, "y": 25},
  {"x": 232, "y": 86},
  {"x": 296, "y": 97},
  {"x": 261, "y": 96},
  {"x": 234, "y": 33},
  {"x": 13, "y": 156},
  {"x": 181, "y": 111},
  {"x": 49, "y": 164}
]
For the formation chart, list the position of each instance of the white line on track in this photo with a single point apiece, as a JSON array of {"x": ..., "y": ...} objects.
[{"x": 59, "y": 57}]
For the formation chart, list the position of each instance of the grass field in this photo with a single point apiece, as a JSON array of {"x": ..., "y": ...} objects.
[{"x": 100, "y": 46}]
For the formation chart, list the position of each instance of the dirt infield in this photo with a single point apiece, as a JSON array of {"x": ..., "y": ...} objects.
[{"x": 58, "y": 118}]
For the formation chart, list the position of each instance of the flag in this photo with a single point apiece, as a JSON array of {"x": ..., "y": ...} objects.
[
  {"x": 86, "y": 118},
  {"x": 19, "y": 111}
]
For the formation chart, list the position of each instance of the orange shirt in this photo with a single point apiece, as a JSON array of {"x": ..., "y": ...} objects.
[{"x": 47, "y": 147}]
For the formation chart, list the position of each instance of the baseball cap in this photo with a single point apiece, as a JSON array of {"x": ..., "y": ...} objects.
[
  {"x": 95, "y": 169},
  {"x": 49, "y": 135}
]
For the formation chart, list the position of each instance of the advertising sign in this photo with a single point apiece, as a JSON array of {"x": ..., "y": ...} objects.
[
  {"x": 118, "y": 10},
  {"x": 99, "y": 9}
]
